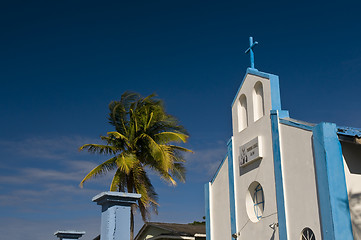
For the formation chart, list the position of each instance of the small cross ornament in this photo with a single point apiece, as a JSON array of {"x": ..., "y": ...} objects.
[{"x": 250, "y": 50}]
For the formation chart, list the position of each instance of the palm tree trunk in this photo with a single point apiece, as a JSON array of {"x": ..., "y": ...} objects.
[
  {"x": 130, "y": 188},
  {"x": 131, "y": 223}
]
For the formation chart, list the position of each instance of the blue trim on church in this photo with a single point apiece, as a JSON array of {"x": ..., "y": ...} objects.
[
  {"x": 218, "y": 169},
  {"x": 281, "y": 212},
  {"x": 232, "y": 203},
  {"x": 275, "y": 88},
  {"x": 295, "y": 124},
  {"x": 331, "y": 183},
  {"x": 207, "y": 187},
  {"x": 275, "y": 92}
]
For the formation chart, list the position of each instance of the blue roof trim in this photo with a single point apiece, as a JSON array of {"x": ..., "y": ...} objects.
[
  {"x": 283, "y": 114},
  {"x": 331, "y": 183},
  {"x": 232, "y": 203},
  {"x": 219, "y": 168},
  {"x": 229, "y": 141},
  {"x": 221, "y": 164},
  {"x": 281, "y": 212},
  {"x": 275, "y": 92},
  {"x": 254, "y": 71},
  {"x": 207, "y": 187},
  {"x": 240, "y": 86},
  {"x": 275, "y": 89},
  {"x": 295, "y": 124},
  {"x": 349, "y": 131},
  {"x": 341, "y": 130}
]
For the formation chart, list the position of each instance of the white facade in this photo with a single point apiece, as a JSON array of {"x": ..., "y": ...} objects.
[
  {"x": 220, "y": 206},
  {"x": 282, "y": 178}
]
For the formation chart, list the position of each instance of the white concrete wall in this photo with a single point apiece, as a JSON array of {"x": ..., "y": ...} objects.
[
  {"x": 299, "y": 181},
  {"x": 352, "y": 164},
  {"x": 219, "y": 205},
  {"x": 260, "y": 170}
]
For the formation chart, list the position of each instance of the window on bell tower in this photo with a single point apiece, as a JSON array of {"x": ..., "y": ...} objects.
[
  {"x": 242, "y": 113},
  {"x": 258, "y": 101}
]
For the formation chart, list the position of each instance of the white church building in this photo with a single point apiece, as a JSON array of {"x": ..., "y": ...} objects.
[{"x": 283, "y": 178}]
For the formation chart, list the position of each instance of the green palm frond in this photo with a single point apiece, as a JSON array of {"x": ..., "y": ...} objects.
[
  {"x": 150, "y": 98},
  {"x": 101, "y": 169},
  {"x": 162, "y": 154},
  {"x": 116, "y": 117},
  {"x": 149, "y": 121},
  {"x": 167, "y": 157},
  {"x": 182, "y": 149},
  {"x": 98, "y": 148},
  {"x": 126, "y": 162},
  {"x": 117, "y": 143},
  {"x": 166, "y": 125},
  {"x": 117, "y": 139},
  {"x": 118, "y": 182},
  {"x": 179, "y": 172},
  {"x": 149, "y": 143},
  {"x": 168, "y": 178},
  {"x": 144, "y": 186},
  {"x": 117, "y": 135},
  {"x": 166, "y": 137}
]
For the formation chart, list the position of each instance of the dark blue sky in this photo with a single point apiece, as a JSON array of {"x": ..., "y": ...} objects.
[{"x": 61, "y": 63}]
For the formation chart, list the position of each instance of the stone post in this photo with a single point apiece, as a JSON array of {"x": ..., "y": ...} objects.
[
  {"x": 115, "y": 219},
  {"x": 68, "y": 235}
]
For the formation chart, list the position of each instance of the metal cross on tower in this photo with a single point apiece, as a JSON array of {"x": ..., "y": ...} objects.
[{"x": 250, "y": 50}]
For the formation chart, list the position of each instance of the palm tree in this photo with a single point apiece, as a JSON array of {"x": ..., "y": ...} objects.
[{"x": 143, "y": 140}]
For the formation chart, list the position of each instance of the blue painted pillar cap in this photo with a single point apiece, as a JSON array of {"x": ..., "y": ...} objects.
[
  {"x": 115, "y": 219},
  {"x": 68, "y": 234},
  {"x": 116, "y": 198}
]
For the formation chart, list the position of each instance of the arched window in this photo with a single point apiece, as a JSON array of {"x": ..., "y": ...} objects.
[
  {"x": 307, "y": 234},
  {"x": 258, "y": 101},
  {"x": 255, "y": 201},
  {"x": 258, "y": 200},
  {"x": 242, "y": 113}
]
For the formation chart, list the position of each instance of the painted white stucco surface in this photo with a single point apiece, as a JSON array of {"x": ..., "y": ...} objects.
[
  {"x": 261, "y": 171},
  {"x": 219, "y": 205},
  {"x": 299, "y": 180}
]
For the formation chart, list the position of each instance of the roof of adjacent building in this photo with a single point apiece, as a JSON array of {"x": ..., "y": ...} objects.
[
  {"x": 345, "y": 133},
  {"x": 175, "y": 229},
  {"x": 349, "y": 131}
]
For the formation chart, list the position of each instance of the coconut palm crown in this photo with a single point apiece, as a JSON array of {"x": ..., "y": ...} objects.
[{"x": 144, "y": 139}]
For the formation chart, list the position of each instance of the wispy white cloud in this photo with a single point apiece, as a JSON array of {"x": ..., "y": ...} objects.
[
  {"x": 45, "y": 229},
  {"x": 53, "y": 148},
  {"x": 206, "y": 160},
  {"x": 70, "y": 171},
  {"x": 55, "y": 171},
  {"x": 49, "y": 174},
  {"x": 80, "y": 165},
  {"x": 24, "y": 198}
]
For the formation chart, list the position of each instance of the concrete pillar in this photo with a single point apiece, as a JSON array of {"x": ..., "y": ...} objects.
[
  {"x": 68, "y": 235},
  {"x": 115, "y": 219}
]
